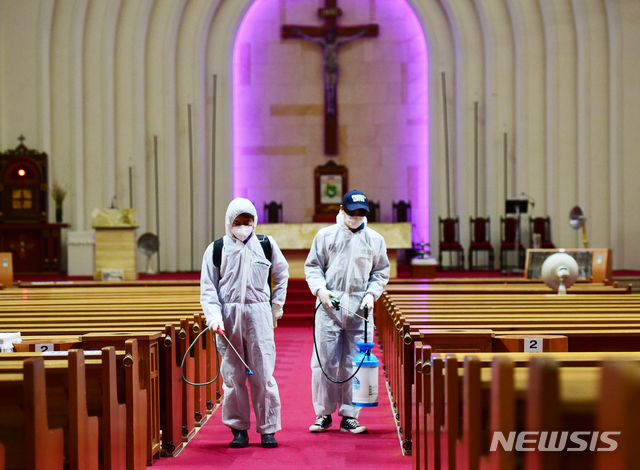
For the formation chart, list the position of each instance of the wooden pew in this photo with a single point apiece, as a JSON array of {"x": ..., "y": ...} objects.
[
  {"x": 67, "y": 403},
  {"x": 151, "y": 380},
  {"x": 207, "y": 397},
  {"x": 24, "y": 428},
  {"x": 482, "y": 288},
  {"x": 397, "y": 335},
  {"x": 147, "y": 346},
  {"x": 102, "y": 383},
  {"x": 620, "y": 384},
  {"x": 442, "y": 390}
]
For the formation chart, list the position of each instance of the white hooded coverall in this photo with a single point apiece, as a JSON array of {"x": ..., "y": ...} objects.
[
  {"x": 349, "y": 264},
  {"x": 239, "y": 294}
]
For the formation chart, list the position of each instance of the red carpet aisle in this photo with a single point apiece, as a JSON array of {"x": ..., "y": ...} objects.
[{"x": 380, "y": 449}]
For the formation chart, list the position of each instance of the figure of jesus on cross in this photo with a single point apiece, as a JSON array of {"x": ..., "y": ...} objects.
[
  {"x": 329, "y": 48},
  {"x": 327, "y": 38}
]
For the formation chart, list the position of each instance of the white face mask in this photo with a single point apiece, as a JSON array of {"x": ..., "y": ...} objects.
[
  {"x": 353, "y": 222},
  {"x": 241, "y": 232}
]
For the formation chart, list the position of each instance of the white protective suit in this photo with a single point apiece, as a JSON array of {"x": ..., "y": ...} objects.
[
  {"x": 239, "y": 294},
  {"x": 349, "y": 265}
]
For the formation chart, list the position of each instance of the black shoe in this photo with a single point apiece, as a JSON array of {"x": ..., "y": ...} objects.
[
  {"x": 322, "y": 424},
  {"x": 351, "y": 425},
  {"x": 269, "y": 441},
  {"x": 240, "y": 439}
]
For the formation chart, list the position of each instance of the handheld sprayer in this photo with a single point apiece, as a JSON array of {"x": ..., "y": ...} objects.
[{"x": 365, "y": 381}]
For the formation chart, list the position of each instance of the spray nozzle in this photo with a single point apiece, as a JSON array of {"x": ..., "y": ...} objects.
[{"x": 335, "y": 302}]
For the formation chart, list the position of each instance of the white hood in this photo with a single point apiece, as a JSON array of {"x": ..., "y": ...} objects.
[{"x": 236, "y": 207}]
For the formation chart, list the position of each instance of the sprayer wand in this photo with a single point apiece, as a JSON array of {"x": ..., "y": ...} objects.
[{"x": 220, "y": 331}]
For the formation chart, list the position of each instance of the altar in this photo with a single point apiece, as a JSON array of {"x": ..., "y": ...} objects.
[{"x": 295, "y": 242}]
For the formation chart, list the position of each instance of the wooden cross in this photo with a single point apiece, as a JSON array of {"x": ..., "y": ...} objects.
[{"x": 327, "y": 37}]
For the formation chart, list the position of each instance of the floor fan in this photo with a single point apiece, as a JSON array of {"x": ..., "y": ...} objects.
[
  {"x": 148, "y": 245},
  {"x": 559, "y": 272}
]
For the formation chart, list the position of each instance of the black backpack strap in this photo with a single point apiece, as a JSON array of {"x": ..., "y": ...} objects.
[
  {"x": 217, "y": 252},
  {"x": 266, "y": 245}
]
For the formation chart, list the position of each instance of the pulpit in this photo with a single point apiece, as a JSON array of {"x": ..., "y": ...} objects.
[
  {"x": 24, "y": 232},
  {"x": 115, "y": 249}
]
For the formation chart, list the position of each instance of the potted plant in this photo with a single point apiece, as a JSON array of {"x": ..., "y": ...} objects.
[{"x": 58, "y": 194}]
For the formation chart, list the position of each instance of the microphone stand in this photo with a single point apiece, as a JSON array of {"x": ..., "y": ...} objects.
[{"x": 517, "y": 270}]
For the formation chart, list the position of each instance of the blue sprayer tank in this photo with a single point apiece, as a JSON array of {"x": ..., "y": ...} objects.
[{"x": 365, "y": 383}]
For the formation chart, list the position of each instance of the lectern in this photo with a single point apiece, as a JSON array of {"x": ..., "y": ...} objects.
[{"x": 115, "y": 252}]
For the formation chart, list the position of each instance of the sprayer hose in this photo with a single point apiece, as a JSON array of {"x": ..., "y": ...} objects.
[
  {"x": 187, "y": 353},
  {"x": 315, "y": 347}
]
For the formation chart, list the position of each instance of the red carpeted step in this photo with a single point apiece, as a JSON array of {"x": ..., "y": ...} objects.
[{"x": 300, "y": 304}]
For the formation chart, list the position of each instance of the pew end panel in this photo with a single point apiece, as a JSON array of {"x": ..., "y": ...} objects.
[
  {"x": 147, "y": 343},
  {"x": 83, "y": 429},
  {"x": 138, "y": 442},
  {"x": 171, "y": 393}
]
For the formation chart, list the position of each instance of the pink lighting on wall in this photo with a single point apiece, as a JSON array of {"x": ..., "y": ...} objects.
[{"x": 382, "y": 105}]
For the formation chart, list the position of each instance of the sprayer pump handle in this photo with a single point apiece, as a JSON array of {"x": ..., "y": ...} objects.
[{"x": 220, "y": 331}]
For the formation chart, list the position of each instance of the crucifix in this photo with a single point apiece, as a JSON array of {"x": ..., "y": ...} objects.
[{"x": 327, "y": 37}]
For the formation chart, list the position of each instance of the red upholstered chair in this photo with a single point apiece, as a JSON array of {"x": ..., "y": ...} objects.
[
  {"x": 272, "y": 213},
  {"x": 450, "y": 241},
  {"x": 480, "y": 231},
  {"x": 508, "y": 229},
  {"x": 374, "y": 212},
  {"x": 541, "y": 225},
  {"x": 401, "y": 211}
]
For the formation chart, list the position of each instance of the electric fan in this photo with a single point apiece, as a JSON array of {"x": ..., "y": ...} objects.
[
  {"x": 148, "y": 245},
  {"x": 559, "y": 272}
]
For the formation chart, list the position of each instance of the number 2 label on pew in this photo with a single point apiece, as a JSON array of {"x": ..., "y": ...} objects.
[
  {"x": 44, "y": 347},
  {"x": 533, "y": 345}
]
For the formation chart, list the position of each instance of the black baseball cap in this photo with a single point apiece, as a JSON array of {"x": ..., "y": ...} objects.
[{"x": 355, "y": 200}]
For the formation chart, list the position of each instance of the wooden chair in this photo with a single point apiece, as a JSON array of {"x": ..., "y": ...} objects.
[
  {"x": 508, "y": 229},
  {"x": 541, "y": 225},
  {"x": 450, "y": 241},
  {"x": 480, "y": 236},
  {"x": 401, "y": 211},
  {"x": 374, "y": 212},
  {"x": 273, "y": 213}
]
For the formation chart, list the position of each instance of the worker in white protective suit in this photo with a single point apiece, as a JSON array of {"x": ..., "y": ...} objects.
[
  {"x": 348, "y": 262},
  {"x": 235, "y": 297}
]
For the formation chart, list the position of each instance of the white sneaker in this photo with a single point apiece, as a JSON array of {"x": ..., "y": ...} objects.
[
  {"x": 322, "y": 424},
  {"x": 351, "y": 425}
]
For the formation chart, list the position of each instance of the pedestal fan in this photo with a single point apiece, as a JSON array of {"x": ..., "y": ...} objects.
[
  {"x": 148, "y": 245},
  {"x": 559, "y": 272}
]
